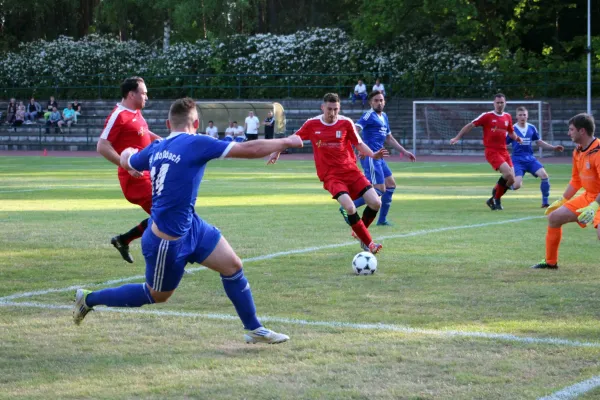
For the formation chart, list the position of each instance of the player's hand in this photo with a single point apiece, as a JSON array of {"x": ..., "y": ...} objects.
[
  {"x": 273, "y": 158},
  {"x": 410, "y": 156},
  {"x": 555, "y": 205},
  {"x": 519, "y": 139},
  {"x": 559, "y": 148},
  {"x": 588, "y": 213},
  {"x": 135, "y": 173},
  {"x": 124, "y": 158},
  {"x": 380, "y": 154},
  {"x": 361, "y": 156},
  {"x": 454, "y": 140}
]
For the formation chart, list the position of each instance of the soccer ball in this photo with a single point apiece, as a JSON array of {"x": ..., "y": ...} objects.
[{"x": 364, "y": 263}]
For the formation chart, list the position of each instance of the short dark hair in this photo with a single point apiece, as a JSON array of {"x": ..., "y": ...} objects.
[
  {"x": 210, "y": 122},
  {"x": 331, "y": 98},
  {"x": 522, "y": 108},
  {"x": 499, "y": 95},
  {"x": 130, "y": 85},
  {"x": 234, "y": 122},
  {"x": 374, "y": 93},
  {"x": 180, "y": 111},
  {"x": 585, "y": 121}
]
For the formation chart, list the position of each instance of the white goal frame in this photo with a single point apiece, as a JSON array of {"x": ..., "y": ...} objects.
[{"x": 539, "y": 104}]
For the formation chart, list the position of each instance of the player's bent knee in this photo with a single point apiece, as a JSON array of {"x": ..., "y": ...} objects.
[
  {"x": 161, "y": 297},
  {"x": 516, "y": 185}
]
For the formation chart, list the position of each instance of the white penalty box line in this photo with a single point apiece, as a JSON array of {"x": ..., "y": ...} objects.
[{"x": 8, "y": 301}]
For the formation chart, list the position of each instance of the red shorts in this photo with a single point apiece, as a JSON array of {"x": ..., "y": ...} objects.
[
  {"x": 497, "y": 157},
  {"x": 137, "y": 190},
  {"x": 355, "y": 184}
]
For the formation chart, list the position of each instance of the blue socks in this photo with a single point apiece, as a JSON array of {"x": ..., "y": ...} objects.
[
  {"x": 386, "y": 203},
  {"x": 545, "y": 188},
  {"x": 130, "y": 295},
  {"x": 238, "y": 291}
]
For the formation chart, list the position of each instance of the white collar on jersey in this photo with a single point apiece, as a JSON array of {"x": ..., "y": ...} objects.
[
  {"x": 125, "y": 108},
  {"x": 325, "y": 123},
  {"x": 174, "y": 134}
]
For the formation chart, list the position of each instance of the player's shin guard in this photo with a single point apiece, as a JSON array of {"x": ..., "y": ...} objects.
[
  {"x": 368, "y": 216},
  {"x": 553, "y": 237},
  {"x": 500, "y": 188},
  {"x": 386, "y": 203},
  {"x": 545, "y": 189},
  {"x": 134, "y": 233},
  {"x": 130, "y": 295},
  {"x": 359, "y": 228},
  {"x": 238, "y": 290}
]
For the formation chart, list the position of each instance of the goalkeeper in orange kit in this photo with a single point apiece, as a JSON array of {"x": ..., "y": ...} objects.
[{"x": 585, "y": 174}]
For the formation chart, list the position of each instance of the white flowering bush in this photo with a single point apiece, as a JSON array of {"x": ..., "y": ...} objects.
[{"x": 305, "y": 63}]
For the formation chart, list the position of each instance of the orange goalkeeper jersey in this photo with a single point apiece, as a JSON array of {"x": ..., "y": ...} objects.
[{"x": 586, "y": 168}]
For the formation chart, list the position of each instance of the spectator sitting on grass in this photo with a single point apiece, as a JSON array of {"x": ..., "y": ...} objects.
[{"x": 53, "y": 120}]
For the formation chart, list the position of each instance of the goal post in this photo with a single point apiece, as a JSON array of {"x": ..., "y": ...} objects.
[{"x": 435, "y": 122}]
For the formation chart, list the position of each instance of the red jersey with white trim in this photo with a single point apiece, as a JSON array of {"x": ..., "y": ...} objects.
[
  {"x": 332, "y": 145},
  {"x": 495, "y": 128},
  {"x": 125, "y": 128}
]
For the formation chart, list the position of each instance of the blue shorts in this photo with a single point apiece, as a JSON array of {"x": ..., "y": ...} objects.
[
  {"x": 166, "y": 259},
  {"x": 239, "y": 139},
  {"x": 530, "y": 165},
  {"x": 227, "y": 139},
  {"x": 375, "y": 170}
]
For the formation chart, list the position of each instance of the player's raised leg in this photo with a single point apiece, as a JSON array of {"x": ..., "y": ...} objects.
[
  {"x": 544, "y": 186},
  {"x": 505, "y": 181},
  {"x": 224, "y": 260},
  {"x": 121, "y": 242}
]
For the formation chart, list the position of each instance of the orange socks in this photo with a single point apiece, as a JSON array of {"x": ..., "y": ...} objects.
[{"x": 553, "y": 237}]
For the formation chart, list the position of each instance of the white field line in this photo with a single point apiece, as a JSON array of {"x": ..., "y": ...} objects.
[
  {"x": 574, "y": 391},
  {"x": 327, "y": 324},
  {"x": 61, "y": 187},
  {"x": 268, "y": 256}
]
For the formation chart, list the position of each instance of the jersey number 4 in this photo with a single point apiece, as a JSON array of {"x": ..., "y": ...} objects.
[{"x": 158, "y": 181}]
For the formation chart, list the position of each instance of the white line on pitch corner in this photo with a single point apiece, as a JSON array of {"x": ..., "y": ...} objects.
[
  {"x": 574, "y": 391},
  {"x": 329, "y": 324},
  {"x": 270, "y": 256}
]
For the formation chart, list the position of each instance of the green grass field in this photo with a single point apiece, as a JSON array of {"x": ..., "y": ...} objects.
[{"x": 453, "y": 312}]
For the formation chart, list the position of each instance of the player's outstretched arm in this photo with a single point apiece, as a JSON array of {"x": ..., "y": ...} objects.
[
  {"x": 570, "y": 191},
  {"x": 124, "y": 159},
  {"x": 365, "y": 150},
  {"x": 263, "y": 147},
  {"x": 548, "y": 146},
  {"x": 466, "y": 129},
  {"x": 394, "y": 143}
]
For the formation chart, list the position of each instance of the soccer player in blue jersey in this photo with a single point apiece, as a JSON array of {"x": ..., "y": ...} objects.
[
  {"x": 523, "y": 158},
  {"x": 375, "y": 131},
  {"x": 176, "y": 235}
]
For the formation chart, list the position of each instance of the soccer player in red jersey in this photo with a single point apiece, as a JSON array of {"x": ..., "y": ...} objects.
[
  {"x": 332, "y": 137},
  {"x": 126, "y": 127},
  {"x": 496, "y": 125}
]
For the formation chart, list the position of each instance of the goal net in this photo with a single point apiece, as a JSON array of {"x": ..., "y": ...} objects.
[{"x": 436, "y": 122}]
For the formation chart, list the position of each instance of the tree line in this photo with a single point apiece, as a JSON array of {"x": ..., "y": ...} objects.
[{"x": 554, "y": 28}]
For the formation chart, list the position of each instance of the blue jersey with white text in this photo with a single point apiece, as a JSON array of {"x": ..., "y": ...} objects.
[
  {"x": 375, "y": 129},
  {"x": 176, "y": 167},
  {"x": 529, "y": 134}
]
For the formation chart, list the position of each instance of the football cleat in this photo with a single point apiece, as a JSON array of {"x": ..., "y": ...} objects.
[
  {"x": 264, "y": 335},
  {"x": 362, "y": 245},
  {"x": 80, "y": 309},
  {"x": 345, "y": 215},
  {"x": 384, "y": 223},
  {"x": 375, "y": 248},
  {"x": 545, "y": 205},
  {"x": 122, "y": 248},
  {"x": 498, "y": 205},
  {"x": 490, "y": 203},
  {"x": 544, "y": 265}
]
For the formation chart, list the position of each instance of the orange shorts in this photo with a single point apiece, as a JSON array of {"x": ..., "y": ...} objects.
[
  {"x": 583, "y": 201},
  {"x": 137, "y": 190},
  {"x": 354, "y": 184},
  {"x": 497, "y": 157}
]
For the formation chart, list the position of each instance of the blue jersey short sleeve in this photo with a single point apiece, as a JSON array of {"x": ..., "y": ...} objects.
[
  {"x": 141, "y": 161},
  {"x": 375, "y": 129},
  {"x": 176, "y": 169}
]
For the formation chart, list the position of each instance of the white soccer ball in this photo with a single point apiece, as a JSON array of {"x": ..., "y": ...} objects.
[{"x": 364, "y": 263}]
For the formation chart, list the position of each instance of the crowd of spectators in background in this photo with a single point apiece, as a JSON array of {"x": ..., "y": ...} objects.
[{"x": 18, "y": 114}]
